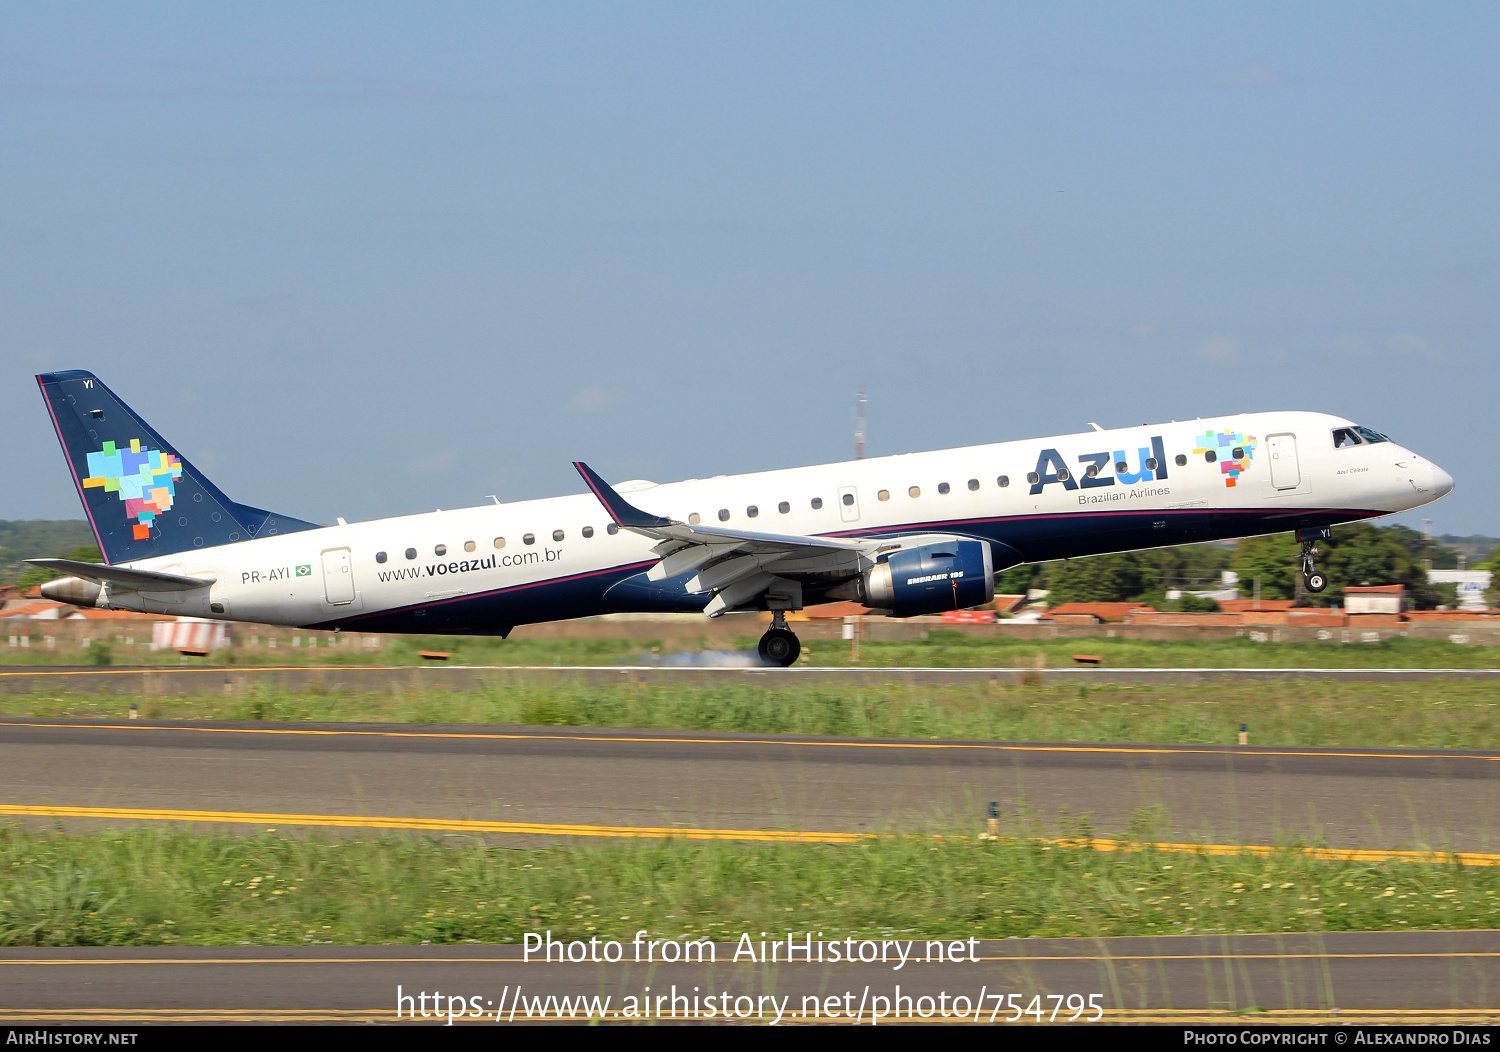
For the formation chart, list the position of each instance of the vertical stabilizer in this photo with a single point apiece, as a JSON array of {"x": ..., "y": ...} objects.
[{"x": 142, "y": 497}]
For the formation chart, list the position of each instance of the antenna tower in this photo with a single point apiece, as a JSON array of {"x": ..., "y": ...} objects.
[{"x": 859, "y": 425}]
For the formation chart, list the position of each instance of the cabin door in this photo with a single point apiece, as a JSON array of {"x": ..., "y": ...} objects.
[
  {"x": 338, "y": 576},
  {"x": 1285, "y": 471}
]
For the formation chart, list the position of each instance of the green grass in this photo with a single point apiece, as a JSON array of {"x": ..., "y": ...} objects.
[
  {"x": 941, "y": 648},
  {"x": 158, "y": 887},
  {"x": 1453, "y": 714},
  {"x": 947, "y": 648}
]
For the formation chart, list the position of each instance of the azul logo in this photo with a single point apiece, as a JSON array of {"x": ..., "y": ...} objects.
[
  {"x": 1100, "y": 469},
  {"x": 1231, "y": 449},
  {"x": 145, "y": 479}
]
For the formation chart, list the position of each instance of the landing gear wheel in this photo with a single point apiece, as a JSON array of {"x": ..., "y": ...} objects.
[
  {"x": 1312, "y": 579},
  {"x": 780, "y": 647}
]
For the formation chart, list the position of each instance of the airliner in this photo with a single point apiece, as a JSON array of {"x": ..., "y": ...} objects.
[{"x": 918, "y": 533}]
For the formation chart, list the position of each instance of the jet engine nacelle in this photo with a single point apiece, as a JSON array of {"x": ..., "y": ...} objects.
[
  {"x": 72, "y": 590},
  {"x": 933, "y": 577}
]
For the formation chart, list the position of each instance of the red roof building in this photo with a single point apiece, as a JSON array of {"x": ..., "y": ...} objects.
[
  {"x": 42, "y": 611},
  {"x": 1093, "y": 613}
]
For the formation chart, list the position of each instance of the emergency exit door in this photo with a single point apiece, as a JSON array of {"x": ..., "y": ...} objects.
[{"x": 849, "y": 504}]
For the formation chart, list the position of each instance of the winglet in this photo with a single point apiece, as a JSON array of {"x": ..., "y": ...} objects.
[{"x": 622, "y": 512}]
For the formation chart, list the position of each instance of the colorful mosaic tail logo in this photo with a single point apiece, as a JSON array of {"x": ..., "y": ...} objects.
[
  {"x": 1233, "y": 451},
  {"x": 145, "y": 479}
]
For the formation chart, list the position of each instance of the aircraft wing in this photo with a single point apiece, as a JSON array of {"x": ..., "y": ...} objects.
[
  {"x": 124, "y": 577},
  {"x": 735, "y": 565}
]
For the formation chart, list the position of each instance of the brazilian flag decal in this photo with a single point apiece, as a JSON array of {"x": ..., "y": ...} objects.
[{"x": 304, "y": 570}]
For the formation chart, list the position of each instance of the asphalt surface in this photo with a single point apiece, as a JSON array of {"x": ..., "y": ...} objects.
[
  {"x": 564, "y": 781},
  {"x": 1422, "y": 978},
  {"x": 164, "y": 680}
]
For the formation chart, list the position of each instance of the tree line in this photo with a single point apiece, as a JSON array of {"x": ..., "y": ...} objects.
[{"x": 1357, "y": 554}]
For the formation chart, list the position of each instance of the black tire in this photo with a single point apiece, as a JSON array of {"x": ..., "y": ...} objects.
[
  {"x": 1315, "y": 581},
  {"x": 779, "y": 647}
]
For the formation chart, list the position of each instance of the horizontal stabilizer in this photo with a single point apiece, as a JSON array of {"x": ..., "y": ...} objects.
[{"x": 124, "y": 577}]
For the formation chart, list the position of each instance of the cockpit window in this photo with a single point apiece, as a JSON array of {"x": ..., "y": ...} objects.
[
  {"x": 1371, "y": 436},
  {"x": 1344, "y": 436}
]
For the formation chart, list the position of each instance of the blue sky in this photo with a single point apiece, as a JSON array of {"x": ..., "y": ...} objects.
[{"x": 363, "y": 260}]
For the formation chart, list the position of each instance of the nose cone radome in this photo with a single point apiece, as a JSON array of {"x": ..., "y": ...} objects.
[{"x": 1442, "y": 482}]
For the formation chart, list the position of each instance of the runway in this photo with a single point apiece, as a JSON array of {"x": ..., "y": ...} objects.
[
  {"x": 1415, "y": 978},
  {"x": 533, "y": 785},
  {"x": 165, "y": 680},
  {"x": 529, "y": 782}
]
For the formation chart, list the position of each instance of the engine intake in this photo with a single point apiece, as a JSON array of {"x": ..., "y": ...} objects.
[{"x": 931, "y": 578}]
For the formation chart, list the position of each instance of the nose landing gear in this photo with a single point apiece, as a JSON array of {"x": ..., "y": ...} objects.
[
  {"x": 779, "y": 646},
  {"x": 1313, "y": 579}
]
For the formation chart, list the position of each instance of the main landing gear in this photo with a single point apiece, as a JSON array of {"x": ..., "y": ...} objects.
[
  {"x": 1313, "y": 579},
  {"x": 779, "y": 646}
]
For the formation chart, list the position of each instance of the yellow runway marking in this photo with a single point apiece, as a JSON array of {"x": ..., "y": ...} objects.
[
  {"x": 426, "y": 824},
  {"x": 1225, "y": 750},
  {"x": 460, "y": 825},
  {"x": 1327, "y": 854},
  {"x": 236, "y": 671}
]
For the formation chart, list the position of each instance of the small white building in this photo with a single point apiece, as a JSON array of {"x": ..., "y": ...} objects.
[
  {"x": 1471, "y": 585},
  {"x": 1374, "y": 598}
]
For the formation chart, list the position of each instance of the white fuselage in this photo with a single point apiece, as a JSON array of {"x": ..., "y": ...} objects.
[{"x": 344, "y": 574}]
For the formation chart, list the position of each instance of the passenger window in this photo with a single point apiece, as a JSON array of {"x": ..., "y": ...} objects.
[
  {"x": 1033, "y": 478},
  {"x": 973, "y": 484},
  {"x": 557, "y": 535},
  {"x": 1003, "y": 481},
  {"x": 723, "y": 514},
  {"x": 884, "y": 494},
  {"x": 1210, "y": 456},
  {"x": 1344, "y": 437},
  {"x": 1092, "y": 471},
  {"x": 441, "y": 549},
  {"x": 752, "y": 511},
  {"x": 694, "y": 519},
  {"x": 611, "y": 529},
  {"x": 783, "y": 507},
  {"x": 588, "y": 531},
  {"x": 468, "y": 546},
  {"x": 942, "y": 487},
  {"x": 1150, "y": 464},
  {"x": 380, "y": 557},
  {"x": 817, "y": 503},
  {"x": 499, "y": 542},
  {"x": 1239, "y": 452},
  {"x": 530, "y": 538},
  {"x": 1123, "y": 467},
  {"x": 915, "y": 491},
  {"x": 411, "y": 553},
  {"x": 848, "y": 499},
  {"x": 1181, "y": 461},
  {"x": 1062, "y": 475}
]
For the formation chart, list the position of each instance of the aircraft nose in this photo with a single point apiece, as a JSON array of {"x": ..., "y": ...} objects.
[{"x": 1442, "y": 482}]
